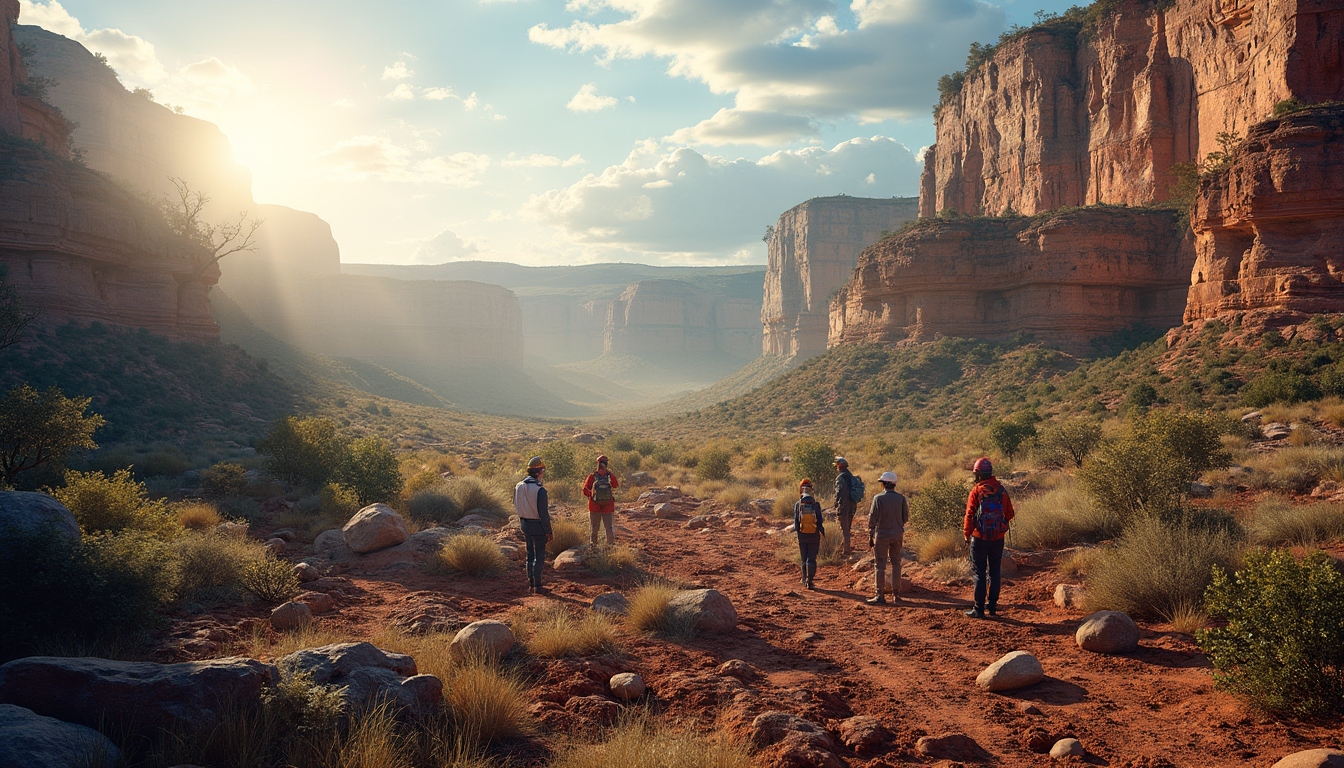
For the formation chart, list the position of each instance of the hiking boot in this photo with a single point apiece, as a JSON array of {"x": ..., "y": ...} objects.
[
  {"x": 976, "y": 613},
  {"x": 879, "y": 600},
  {"x": 810, "y": 584},
  {"x": 993, "y": 610}
]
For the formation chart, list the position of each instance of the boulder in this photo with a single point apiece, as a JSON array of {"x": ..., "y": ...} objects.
[
  {"x": 1108, "y": 632},
  {"x": 771, "y": 727},
  {"x": 29, "y": 740},
  {"x": 331, "y": 545},
  {"x": 1276, "y": 431},
  {"x": 705, "y": 609},
  {"x": 318, "y": 602},
  {"x": 36, "y": 513},
  {"x": 627, "y": 686},
  {"x": 1067, "y": 748},
  {"x": 665, "y": 510},
  {"x": 488, "y": 637},
  {"x": 306, "y": 572},
  {"x": 697, "y": 522},
  {"x": 571, "y": 559},
  {"x": 292, "y": 615},
  {"x": 1200, "y": 490},
  {"x": 1015, "y": 670},
  {"x": 479, "y": 520},
  {"x": 1313, "y": 758},
  {"x": 641, "y": 479},
  {"x": 865, "y": 735},
  {"x": 613, "y": 603},
  {"x": 1069, "y": 595},
  {"x": 374, "y": 527},
  {"x": 368, "y": 676},
  {"x": 951, "y": 746},
  {"x": 276, "y": 546},
  {"x": 130, "y": 696}
]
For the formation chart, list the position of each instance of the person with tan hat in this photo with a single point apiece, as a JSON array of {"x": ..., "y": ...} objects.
[
  {"x": 886, "y": 535},
  {"x": 845, "y": 503},
  {"x": 599, "y": 488},
  {"x": 807, "y": 523},
  {"x": 532, "y": 506}
]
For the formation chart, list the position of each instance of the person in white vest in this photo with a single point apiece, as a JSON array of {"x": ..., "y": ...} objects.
[{"x": 531, "y": 504}]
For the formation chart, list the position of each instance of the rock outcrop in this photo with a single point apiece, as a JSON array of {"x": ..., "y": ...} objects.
[
  {"x": 676, "y": 317},
  {"x": 812, "y": 252},
  {"x": 1063, "y": 116},
  {"x": 1064, "y": 278}
]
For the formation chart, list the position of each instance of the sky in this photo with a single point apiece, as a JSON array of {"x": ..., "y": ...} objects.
[{"x": 551, "y": 131}]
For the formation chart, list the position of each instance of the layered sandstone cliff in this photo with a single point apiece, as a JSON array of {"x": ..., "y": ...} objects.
[
  {"x": 1066, "y": 116},
  {"x": 1064, "y": 279},
  {"x": 812, "y": 252},
  {"x": 674, "y": 317}
]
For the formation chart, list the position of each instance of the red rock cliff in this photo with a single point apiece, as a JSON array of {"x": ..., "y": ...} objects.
[
  {"x": 1058, "y": 118},
  {"x": 1064, "y": 278}
]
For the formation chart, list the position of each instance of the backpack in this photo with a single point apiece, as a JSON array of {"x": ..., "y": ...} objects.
[
  {"x": 856, "y": 489},
  {"x": 808, "y": 515},
  {"x": 990, "y": 518},
  {"x": 602, "y": 488}
]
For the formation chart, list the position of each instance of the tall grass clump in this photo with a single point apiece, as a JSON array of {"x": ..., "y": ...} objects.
[
  {"x": 434, "y": 506},
  {"x": 214, "y": 562},
  {"x": 940, "y": 545},
  {"x": 1277, "y": 522},
  {"x": 613, "y": 561},
  {"x": 485, "y": 702},
  {"x": 197, "y": 515},
  {"x": 554, "y": 632},
  {"x": 736, "y": 494},
  {"x": 565, "y": 534},
  {"x": 473, "y": 493},
  {"x": 642, "y": 742},
  {"x": 472, "y": 555},
  {"x": 1297, "y": 469},
  {"x": 650, "y": 611},
  {"x": 939, "y": 506},
  {"x": 1157, "y": 569},
  {"x": 1062, "y": 517}
]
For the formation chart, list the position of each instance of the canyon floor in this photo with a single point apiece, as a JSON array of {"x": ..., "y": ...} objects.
[{"x": 826, "y": 656}]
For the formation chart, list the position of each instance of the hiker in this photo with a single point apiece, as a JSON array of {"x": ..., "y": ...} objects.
[
  {"x": 601, "y": 501},
  {"x": 845, "y": 503},
  {"x": 530, "y": 502},
  {"x": 988, "y": 512},
  {"x": 886, "y": 535},
  {"x": 807, "y": 522}
]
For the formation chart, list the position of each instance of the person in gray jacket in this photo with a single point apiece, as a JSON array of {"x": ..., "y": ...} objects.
[
  {"x": 886, "y": 535},
  {"x": 845, "y": 506},
  {"x": 532, "y": 505}
]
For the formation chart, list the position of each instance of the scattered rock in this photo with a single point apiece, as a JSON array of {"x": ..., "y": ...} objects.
[
  {"x": 864, "y": 564},
  {"x": 951, "y": 746},
  {"x": 641, "y": 479},
  {"x": 1276, "y": 431},
  {"x": 627, "y": 686},
  {"x": 1067, "y": 748},
  {"x": 512, "y": 551},
  {"x": 292, "y": 615},
  {"x": 1038, "y": 740},
  {"x": 764, "y": 506},
  {"x": 374, "y": 527},
  {"x": 737, "y": 668},
  {"x": 318, "y": 602},
  {"x": 571, "y": 559},
  {"x": 1252, "y": 416},
  {"x": 1007, "y": 566},
  {"x": 1108, "y": 632},
  {"x": 29, "y": 740},
  {"x": 276, "y": 546},
  {"x": 425, "y": 612},
  {"x": 1015, "y": 670},
  {"x": 36, "y": 513},
  {"x": 665, "y": 510},
  {"x": 613, "y": 603},
  {"x": 286, "y": 535},
  {"x": 478, "y": 520},
  {"x": 368, "y": 675},
  {"x": 587, "y": 438},
  {"x": 1027, "y": 708},
  {"x": 797, "y": 741},
  {"x": 1069, "y": 595},
  {"x": 697, "y": 522},
  {"x": 863, "y": 734},
  {"x": 598, "y": 709},
  {"x": 1200, "y": 490},
  {"x": 487, "y": 636},
  {"x": 306, "y": 572},
  {"x": 1313, "y": 758},
  {"x": 705, "y": 609},
  {"x": 133, "y": 696}
]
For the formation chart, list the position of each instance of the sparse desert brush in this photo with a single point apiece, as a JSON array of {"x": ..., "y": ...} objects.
[
  {"x": 1076, "y": 564},
  {"x": 1277, "y": 522},
  {"x": 337, "y": 501},
  {"x": 940, "y": 545},
  {"x": 714, "y": 464},
  {"x": 1156, "y": 569},
  {"x": 472, "y": 493},
  {"x": 939, "y": 506},
  {"x": 433, "y": 506},
  {"x": 269, "y": 646},
  {"x": 270, "y": 579},
  {"x": 649, "y": 610},
  {"x": 224, "y": 479},
  {"x": 784, "y": 506},
  {"x": 1063, "y": 517},
  {"x": 1333, "y": 413},
  {"x": 951, "y": 570},
  {"x": 642, "y": 742},
  {"x": 111, "y": 503},
  {"x": 472, "y": 555},
  {"x": 1188, "y": 619},
  {"x": 485, "y": 702},
  {"x": 736, "y": 494},
  {"x": 613, "y": 561},
  {"x": 198, "y": 515},
  {"x": 425, "y": 478},
  {"x": 555, "y": 631},
  {"x": 566, "y": 533},
  {"x": 214, "y": 560},
  {"x": 1297, "y": 469}
]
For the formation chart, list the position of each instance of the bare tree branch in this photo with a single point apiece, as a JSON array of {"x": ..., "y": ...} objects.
[{"x": 184, "y": 216}]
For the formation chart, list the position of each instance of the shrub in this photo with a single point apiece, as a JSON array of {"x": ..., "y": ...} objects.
[
  {"x": 566, "y": 534},
  {"x": 214, "y": 560},
  {"x": 1077, "y": 564},
  {"x": 1068, "y": 442},
  {"x": 1282, "y": 647},
  {"x": 643, "y": 743},
  {"x": 649, "y": 611},
  {"x": 337, "y": 501},
  {"x": 1158, "y": 569},
  {"x": 951, "y": 570},
  {"x": 1277, "y": 522},
  {"x": 1134, "y": 477},
  {"x": 714, "y": 464},
  {"x": 629, "y": 461},
  {"x": 618, "y": 444},
  {"x": 1279, "y": 387},
  {"x": 1062, "y": 517},
  {"x": 371, "y": 470},
  {"x": 784, "y": 506},
  {"x": 939, "y": 506},
  {"x": 473, "y": 493},
  {"x": 303, "y": 450},
  {"x": 561, "y": 463},
  {"x": 433, "y": 505},
  {"x": 485, "y": 703},
  {"x": 613, "y": 561},
  {"x": 197, "y": 515},
  {"x": 554, "y": 632},
  {"x": 270, "y": 579},
  {"x": 735, "y": 495},
  {"x": 472, "y": 555},
  {"x": 813, "y": 460},
  {"x": 940, "y": 545},
  {"x": 38, "y": 428},
  {"x": 105, "y": 504},
  {"x": 1009, "y": 436}
]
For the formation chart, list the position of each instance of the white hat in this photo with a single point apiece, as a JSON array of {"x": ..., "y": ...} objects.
[{"x": 888, "y": 477}]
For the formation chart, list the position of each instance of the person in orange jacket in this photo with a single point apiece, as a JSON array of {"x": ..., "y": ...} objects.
[
  {"x": 988, "y": 512},
  {"x": 600, "y": 489}
]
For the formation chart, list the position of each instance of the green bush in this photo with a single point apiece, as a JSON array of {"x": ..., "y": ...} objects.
[
  {"x": 1279, "y": 387},
  {"x": 270, "y": 579},
  {"x": 561, "y": 461},
  {"x": 813, "y": 460},
  {"x": 939, "y": 506},
  {"x": 1158, "y": 570},
  {"x": 714, "y": 464},
  {"x": 1068, "y": 442},
  {"x": 371, "y": 471},
  {"x": 1148, "y": 470},
  {"x": 1009, "y": 436},
  {"x": 337, "y": 501},
  {"x": 1282, "y": 647},
  {"x": 212, "y": 561},
  {"x": 433, "y": 505},
  {"x": 618, "y": 444},
  {"x": 224, "y": 479},
  {"x": 39, "y": 428},
  {"x": 303, "y": 450},
  {"x": 103, "y": 504}
]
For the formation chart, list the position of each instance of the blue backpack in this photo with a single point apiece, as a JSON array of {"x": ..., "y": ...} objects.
[
  {"x": 856, "y": 489},
  {"x": 991, "y": 518}
]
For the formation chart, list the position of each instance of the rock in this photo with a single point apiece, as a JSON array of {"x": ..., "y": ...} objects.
[
  {"x": 1313, "y": 758},
  {"x": 36, "y": 513},
  {"x": 374, "y": 527},
  {"x": 763, "y": 506},
  {"x": 737, "y": 668},
  {"x": 770, "y": 727},
  {"x": 286, "y": 535},
  {"x": 1108, "y": 632},
  {"x": 132, "y": 696},
  {"x": 571, "y": 559},
  {"x": 705, "y": 609},
  {"x": 665, "y": 510},
  {"x": 951, "y": 746},
  {"x": 1067, "y": 748},
  {"x": 331, "y": 545},
  {"x": 231, "y": 528},
  {"x": 587, "y": 438},
  {"x": 613, "y": 603},
  {"x": 275, "y": 546},
  {"x": 697, "y": 522},
  {"x": 865, "y": 735},
  {"x": 29, "y": 740},
  {"x": 1018, "y": 669},
  {"x": 488, "y": 637},
  {"x": 1200, "y": 490},
  {"x": 1251, "y": 417},
  {"x": 864, "y": 564},
  {"x": 627, "y": 686},
  {"x": 1276, "y": 431},
  {"x": 638, "y": 479},
  {"x": 478, "y": 521},
  {"x": 292, "y": 615},
  {"x": 1069, "y": 595},
  {"x": 512, "y": 551},
  {"x": 1007, "y": 566},
  {"x": 318, "y": 602},
  {"x": 1038, "y": 740},
  {"x": 600, "y": 710},
  {"x": 306, "y": 572},
  {"x": 369, "y": 675},
  {"x": 1027, "y": 708}
]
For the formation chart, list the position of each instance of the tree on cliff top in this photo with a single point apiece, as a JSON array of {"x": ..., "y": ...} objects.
[{"x": 184, "y": 215}]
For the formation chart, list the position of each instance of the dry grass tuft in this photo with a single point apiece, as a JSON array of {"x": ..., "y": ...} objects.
[
  {"x": 613, "y": 561},
  {"x": 486, "y": 702},
  {"x": 736, "y": 495},
  {"x": 940, "y": 545},
  {"x": 554, "y": 632},
  {"x": 649, "y": 610},
  {"x": 784, "y": 506},
  {"x": 1296, "y": 469},
  {"x": 1157, "y": 569},
  {"x": 642, "y": 742},
  {"x": 472, "y": 555},
  {"x": 566, "y": 533},
  {"x": 1076, "y": 565},
  {"x": 198, "y": 515},
  {"x": 1188, "y": 619},
  {"x": 951, "y": 570},
  {"x": 1061, "y": 518},
  {"x": 214, "y": 561},
  {"x": 1277, "y": 522}
]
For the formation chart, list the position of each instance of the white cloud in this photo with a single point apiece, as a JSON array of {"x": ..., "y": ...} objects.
[
  {"x": 540, "y": 161},
  {"x": 398, "y": 71},
  {"x": 664, "y": 200},
  {"x": 743, "y": 126},
  {"x": 444, "y": 247},
  {"x": 439, "y": 94},
  {"x": 364, "y": 158},
  {"x": 588, "y": 100},
  {"x": 402, "y": 92}
]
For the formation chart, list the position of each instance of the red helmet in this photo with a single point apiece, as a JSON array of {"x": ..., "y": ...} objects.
[
  {"x": 805, "y": 484},
  {"x": 983, "y": 467},
  {"x": 602, "y": 459}
]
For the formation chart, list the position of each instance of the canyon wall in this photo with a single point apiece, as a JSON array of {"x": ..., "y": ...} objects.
[
  {"x": 1063, "y": 117},
  {"x": 675, "y": 317},
  {"x": 812, "y": 252},
  {"x": 1064, "y": 278}
]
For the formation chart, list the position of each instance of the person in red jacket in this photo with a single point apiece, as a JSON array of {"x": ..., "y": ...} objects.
[
  {"x": 988, "y": 512},
  {"x": 600, "y": 489}
]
